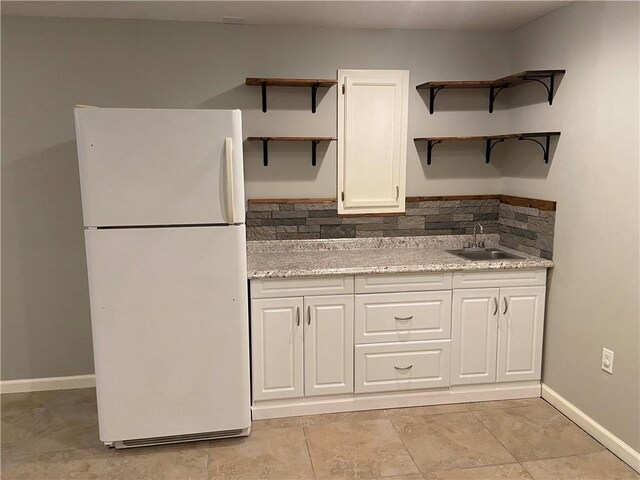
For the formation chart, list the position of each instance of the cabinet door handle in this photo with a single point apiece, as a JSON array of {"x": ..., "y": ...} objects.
[
  {"x": 495, "y": 303},
  {"x": 308, "y": 314},
  {"x": 506, "y": 306},
  {"x": 298, "y": 316},
  {"x": 404, "y": 368},
  {"x": 403, "y": 319},
  {"x": 397, "y": 192}
]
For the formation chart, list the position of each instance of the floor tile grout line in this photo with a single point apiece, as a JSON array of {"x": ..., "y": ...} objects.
[
  {"x": 209, "y": 449},
  {"x": 574, "y": 423},
  {"x": 513, "y": 455},
  {"x": 539, "y": 459},
  {"x": 527, "y": 470},
  {"x": 405, "y": 445},
  {"x": 480, "y": 466},
  {"x": 306, "y": 442}
]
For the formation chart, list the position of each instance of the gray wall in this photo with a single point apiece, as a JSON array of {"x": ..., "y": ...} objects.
[
  {"x": 49, "y": 65},
  {"x": 593, "y": 294}
]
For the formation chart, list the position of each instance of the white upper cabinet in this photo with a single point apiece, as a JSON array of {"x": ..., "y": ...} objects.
[{"x": 372, "y": 140}]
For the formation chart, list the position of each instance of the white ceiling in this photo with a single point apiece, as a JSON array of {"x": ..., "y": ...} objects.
[{"x": 442, "y": 15}]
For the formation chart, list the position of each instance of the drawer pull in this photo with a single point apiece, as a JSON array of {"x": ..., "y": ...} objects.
[
  {"x": 404, "y": 368},
  {"x": 403, "y": 319}
]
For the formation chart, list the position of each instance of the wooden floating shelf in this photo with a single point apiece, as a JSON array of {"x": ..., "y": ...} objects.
[
  {"x": 492, "y": 141},
  {"x": 314, "y": 83},
  {"x": 495, "y": 86},
  {"x": 314, "y": 144}
]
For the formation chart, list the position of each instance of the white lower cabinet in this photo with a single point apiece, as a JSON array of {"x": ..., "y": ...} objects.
[
  {"x": 474, "y": 327},
  {"x": 497, "y": 334},
  {"x": 276, "y": 348},
  {"x": 301, "y": 346},
  {"x": 329, "y": 344},
  {"x": 520, "y": 333},
  {"x": 392, "y": 367},
  {"x": 393, "y": 317}
]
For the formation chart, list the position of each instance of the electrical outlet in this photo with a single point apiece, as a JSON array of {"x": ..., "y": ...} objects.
[{"x": 607, "y": 360}]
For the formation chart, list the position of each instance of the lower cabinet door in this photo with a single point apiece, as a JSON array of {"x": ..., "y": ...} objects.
[
  {"x": 328, "y": 345},
  {"x": 520, "y": 333},
  {"x": 394, "y": 367},
  {"x": 276, "y": 348},
  {"x": 474, "y": 327}
]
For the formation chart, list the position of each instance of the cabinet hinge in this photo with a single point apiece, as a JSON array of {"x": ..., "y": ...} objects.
[
  {"x": 342, "y": 196},
  {"x": 344, "y": 88}
]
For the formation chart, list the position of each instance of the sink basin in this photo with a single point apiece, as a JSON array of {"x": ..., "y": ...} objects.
[{"x": 488, "y": 254}]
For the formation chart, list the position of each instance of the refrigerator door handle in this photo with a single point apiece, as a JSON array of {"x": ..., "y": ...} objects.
[{"x": 228, "y": 147}]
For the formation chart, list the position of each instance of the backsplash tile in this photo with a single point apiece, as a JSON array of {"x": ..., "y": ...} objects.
[
  {"x": 287, "y": 219},
  {"x": 524, "y": 224},
  {"x": 527, "y": 229}
]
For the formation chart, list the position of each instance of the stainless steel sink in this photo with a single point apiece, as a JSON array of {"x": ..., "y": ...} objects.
[{"x": 488, "y": 254}]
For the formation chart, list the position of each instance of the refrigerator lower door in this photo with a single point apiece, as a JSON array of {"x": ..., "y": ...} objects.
[{"x": 169, "y": 315}]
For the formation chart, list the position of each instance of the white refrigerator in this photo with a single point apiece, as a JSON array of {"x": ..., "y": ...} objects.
[{"x": 163, "y": 208}]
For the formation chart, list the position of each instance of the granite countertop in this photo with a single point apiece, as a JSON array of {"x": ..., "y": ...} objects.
[{"x": 308, "y": 258}]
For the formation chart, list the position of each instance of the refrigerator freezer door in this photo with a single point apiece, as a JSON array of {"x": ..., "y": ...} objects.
[
  {"x": 170, "y": 330},
  {"x": 159, "y": 167}
]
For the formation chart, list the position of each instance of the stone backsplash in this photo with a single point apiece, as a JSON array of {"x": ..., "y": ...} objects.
[
  {"x": 528, "y": 229},
  {"x": 289, "y": 219},
  {"x": 284, "y": 220}
]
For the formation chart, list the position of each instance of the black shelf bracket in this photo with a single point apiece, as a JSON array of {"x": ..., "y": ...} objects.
[
  {"x": 433, "y": 91},
  {"x": 490, "y": 144},
  {"x": 430, "y": 145},
  {"x": 265, "y": 152},
  {"x": 314, "y": 147},
  {"x": 493, "y": 93},
  {"x": 545, "y": 147},
  {"x": 549, "y": 87},
  {"x": 263, "y": 86},
  {"x": 314, "y": 95}
]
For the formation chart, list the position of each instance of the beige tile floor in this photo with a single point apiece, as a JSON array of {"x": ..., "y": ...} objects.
[{"x": 54, "y": 435}]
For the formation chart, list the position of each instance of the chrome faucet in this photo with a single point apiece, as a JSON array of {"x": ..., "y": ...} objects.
[{"x": 475, "y": 245}]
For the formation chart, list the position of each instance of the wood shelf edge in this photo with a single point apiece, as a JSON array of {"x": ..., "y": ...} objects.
[
  {"x": 520, "y": 76},
  {"x": 293, "y": 139},
  {"x": 505, "y": 136},
  {"x": 290, "y": 82}
]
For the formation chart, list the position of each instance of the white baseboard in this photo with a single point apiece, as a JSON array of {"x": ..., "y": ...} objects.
[
  {"x": 593, "y": 428},
  {"x": 352, "y": 403},
  {"x": 49, "y": 383}
]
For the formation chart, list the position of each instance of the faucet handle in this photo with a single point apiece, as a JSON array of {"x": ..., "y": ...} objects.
[
  {"x": 481, "y": 244},
  {"x": 467, "y": 245}
]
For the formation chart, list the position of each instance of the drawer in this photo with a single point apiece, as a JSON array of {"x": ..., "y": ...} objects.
[
  {"x": 395, "y": 367},
  {"x": 298, "y": 287},
  {"x": 403, "y": 282},
  {"x": 499, "y": 278},
  {"x": 393, "y": 317}
]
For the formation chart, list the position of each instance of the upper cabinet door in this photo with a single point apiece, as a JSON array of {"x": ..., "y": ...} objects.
[
  {"x": 372, "y": 140},
  {"x": 141, "y": 166},
  {"x": 520, "y": 333}
]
